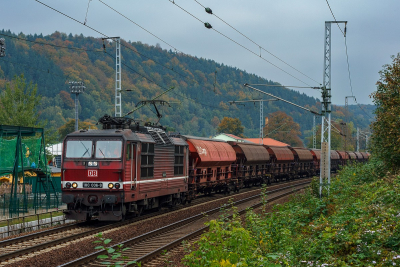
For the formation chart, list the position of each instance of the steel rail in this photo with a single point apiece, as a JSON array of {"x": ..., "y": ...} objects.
[
  {"x": 150, "y": 256},
  {"x": 93, "y": 256}
]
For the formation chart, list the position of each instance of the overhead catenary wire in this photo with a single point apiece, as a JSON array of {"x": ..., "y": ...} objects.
[
  {"x": 291, "y": 103},
  {"x": 277, "y": 85},
  {"x": 351, "y": 86},
  {"x": 87, "y": 11},
  {"x": 91, "y": 50},
  {"x": 248, "y": 38},
  {"x": 347, "y": 57},
  {"x": 227, "y": 37},
  {"x": 30, "y": 66},
  {"x": 118, "y": 12},
  {"x": 163, "y": 87},
  {"x": 53, "y": 45},
  {"x": 93, "y": 29},
  {"x": 344, "y": 33},
  {"x": 113, "y": 40}
]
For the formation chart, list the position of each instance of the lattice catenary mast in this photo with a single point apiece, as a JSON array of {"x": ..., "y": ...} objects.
[{"x": 325, "y": 171}]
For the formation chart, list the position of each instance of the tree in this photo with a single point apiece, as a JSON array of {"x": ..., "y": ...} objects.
[
  {"x": 19, "y": 103},
  {"x": 385, "y": 141},
  {"x": 231, "y": 126},
  {"x": 282, "y": 128},
  {"x": 69, "y": 127}
]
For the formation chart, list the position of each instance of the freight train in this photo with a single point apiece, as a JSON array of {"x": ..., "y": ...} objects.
[{"x": 126, "y": 168}]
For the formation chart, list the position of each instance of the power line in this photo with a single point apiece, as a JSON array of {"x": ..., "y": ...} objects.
[
  {"x": 53, "y": 45},
  {"x": 292, "y": 86},
  {"x": 90, "y": 50},
  {"x": 140, "y": 26},
  {"x": 351, "y": 86},
  {"x": 255, "y": 42},
  {"x": 147, "y": 78},
  {"x": 344, "y": 33},
  {"x": 347, "y": 57},
  {"x": 171, "y": 69},
  {"x": 209, "y": 26},
  {"x": 151, "y": 34},
  {"x": 30, "y": 66}
]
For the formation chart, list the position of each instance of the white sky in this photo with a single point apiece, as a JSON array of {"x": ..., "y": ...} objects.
[{"x": 291, "y": 30}]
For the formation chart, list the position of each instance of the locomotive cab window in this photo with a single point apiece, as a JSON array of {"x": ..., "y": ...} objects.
[
  {"x": 79, "y": 149},
  {"x": 147, "y": 161},
  {"x": 110, "y": 149},
  {"x": 178, "y": 163}
]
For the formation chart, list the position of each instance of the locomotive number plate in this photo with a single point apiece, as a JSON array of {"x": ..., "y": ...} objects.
[{"x": 92, "y": 185}]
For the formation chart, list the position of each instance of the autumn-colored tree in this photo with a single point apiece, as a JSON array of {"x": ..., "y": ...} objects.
[
  {"x": 67, "y": 99},
  {"x": 231, "y": 126},
  {"x": 69, "y": 127},
  {"x": 385, "y": 143},
  {"x": 282, "y": 128}
]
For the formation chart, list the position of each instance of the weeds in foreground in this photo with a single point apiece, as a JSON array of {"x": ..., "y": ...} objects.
[
  {"x": 357, "y": 225},
  {"x": 113, "y": 254}
]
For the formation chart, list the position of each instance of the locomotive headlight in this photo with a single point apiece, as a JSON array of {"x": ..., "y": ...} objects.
[
  {"x": 110, "y": 185},
  {"x": 74, "y": 185},
  {"x": 68, "y": 185},
  {"x": 117, "y": 186},
  {"x": 92, "y": 163}
]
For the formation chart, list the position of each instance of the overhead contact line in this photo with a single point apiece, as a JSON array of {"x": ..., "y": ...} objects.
[
  {"x": 347, "y": 58},
  {"x": 207, "y": 25},
  {"x": 93, "y": 29},
  {"x": 209, "y": 11}
]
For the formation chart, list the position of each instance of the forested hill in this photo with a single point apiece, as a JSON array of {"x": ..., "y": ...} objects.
[{"x": 198, "y": 102}]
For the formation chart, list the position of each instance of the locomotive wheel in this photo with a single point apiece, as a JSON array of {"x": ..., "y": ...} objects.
[{"x": 139, "y": 211}]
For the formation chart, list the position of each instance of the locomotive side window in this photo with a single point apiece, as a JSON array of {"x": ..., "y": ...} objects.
[
  {"x": 79, "y": 149},
  {"x": 108, "y": 149},
  {"x": 147, "y": 161},
  {"x": 178, "y": 164},
  {"x": 128, "y": 151}
]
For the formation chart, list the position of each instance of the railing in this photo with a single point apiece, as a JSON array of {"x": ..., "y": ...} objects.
[{"x": 14, "y": 226}]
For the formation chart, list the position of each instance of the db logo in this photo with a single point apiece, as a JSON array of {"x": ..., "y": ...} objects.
[{"x": 92, "y": 173}]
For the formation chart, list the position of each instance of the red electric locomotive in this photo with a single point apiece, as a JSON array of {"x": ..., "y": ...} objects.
[{"x": 122, "y": 169}]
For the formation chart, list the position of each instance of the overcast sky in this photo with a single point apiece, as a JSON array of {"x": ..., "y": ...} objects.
[{"x": 291, "y": 30}]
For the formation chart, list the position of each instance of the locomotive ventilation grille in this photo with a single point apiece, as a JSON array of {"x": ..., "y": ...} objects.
[{"x": 160, "y": 138}]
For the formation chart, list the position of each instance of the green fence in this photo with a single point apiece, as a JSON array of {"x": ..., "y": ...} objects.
[{"x": 23, "y": 149}]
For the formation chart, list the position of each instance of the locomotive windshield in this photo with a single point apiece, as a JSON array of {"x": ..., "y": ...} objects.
[
  {"x": 108, "y": 149},
  {"x": 104, "y": 149},
  {"x": 79, "y": 149}
]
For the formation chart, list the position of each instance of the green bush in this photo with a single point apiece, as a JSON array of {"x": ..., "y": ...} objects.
[{"x": 358, "y": 224}]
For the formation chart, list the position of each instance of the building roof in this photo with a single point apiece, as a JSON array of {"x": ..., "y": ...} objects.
[
  {"x": 229, "y": 137},
  {"x": 266, "y": 141}
]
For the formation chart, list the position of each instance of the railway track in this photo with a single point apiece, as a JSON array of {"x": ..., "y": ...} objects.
[
  {"x": 25, "y": 246},
  {"x": 150, "y": 245},
  {"x": 22, "y": 245}
]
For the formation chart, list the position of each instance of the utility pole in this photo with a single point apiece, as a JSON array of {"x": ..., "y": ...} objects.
[
  {"x": 325, "y": 173},
  {"x": 358, "y": 139},
  {"x": 76, "y": 88},
  {"x": 2, "y": 47},
  {"x": 261, "y": 113},
  {"x": 314, "y": 133},
  {"x": 346, "y": 105},
  {"x": 118, "y": 98}
]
